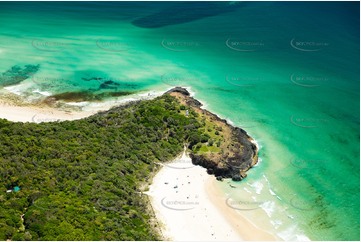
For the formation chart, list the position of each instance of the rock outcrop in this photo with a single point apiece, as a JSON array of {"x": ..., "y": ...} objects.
[{"x": 238, "y": 152}]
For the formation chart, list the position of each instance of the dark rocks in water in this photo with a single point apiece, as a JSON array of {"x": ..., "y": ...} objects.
[
  {"x": 119, "y": 93},
  {"x": 240, "y": 176},
  {"x": 110, "y": 82},
  {"x": 73, "y": 96},
  {"x": 184, "y": 12},
  {"x": 17, "y": 74},
  {"x": 84, "y": 96},
  {"x": 219, "y": 178},
  {"x": 236, "y": 177},
  {"x": 114, "y": 85},
  {"x": 109, "y": 85},
  {"x": 105, "y": 86}
]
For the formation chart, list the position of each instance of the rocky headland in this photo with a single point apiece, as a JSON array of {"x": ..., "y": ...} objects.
[{"x": 229, "y": 153}]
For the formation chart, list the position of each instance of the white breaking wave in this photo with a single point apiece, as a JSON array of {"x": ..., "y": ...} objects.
[
  {"x": 230, "y": 121},
  {"x": 258, "y": 186},
  {"x": 247, "y": 190},
  {"x": 14, "y": 89},
  {"x": 272, "y": 192},
  {"x": 268, "y": 207},
  {"x": 78, "y": 104},
  {"x": 44, "y": 93},
  {"x": 276, "y": 223}
]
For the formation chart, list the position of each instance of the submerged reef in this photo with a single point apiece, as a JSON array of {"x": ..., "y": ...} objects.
[{"x": 17, "y": 74}]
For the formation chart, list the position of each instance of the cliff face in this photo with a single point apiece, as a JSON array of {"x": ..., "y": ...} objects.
[
  {"x": 235, "y": 152},
  {"x": 230, "y": 166}
]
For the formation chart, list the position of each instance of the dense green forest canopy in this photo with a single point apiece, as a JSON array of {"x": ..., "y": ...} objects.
[{"x": 80, "y": 180}]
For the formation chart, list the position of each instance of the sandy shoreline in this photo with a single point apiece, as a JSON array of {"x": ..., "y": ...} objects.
[
  {"x": 191, "y": 208},
  {"x": 38, "y": 114},
  {"x": 14, "y": 108}
]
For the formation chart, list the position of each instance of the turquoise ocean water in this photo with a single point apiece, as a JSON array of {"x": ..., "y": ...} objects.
[{"x": 288, "y": 73}]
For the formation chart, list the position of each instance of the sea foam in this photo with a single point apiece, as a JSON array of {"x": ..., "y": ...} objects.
[
  {"x": 258, "y": 186},
  {"x": 14, "y": 89},
  {"x": 268, "y": 207},
  {"x": 44, "y": 93}
]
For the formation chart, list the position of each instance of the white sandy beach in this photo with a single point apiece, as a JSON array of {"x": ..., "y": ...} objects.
[
  {"x": 191, "y": 208},
  {"x": 10, "y": 110},
  {"x": 38, "y": 115}
]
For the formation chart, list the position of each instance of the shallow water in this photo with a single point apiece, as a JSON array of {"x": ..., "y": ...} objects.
[{"x": 288, "y": 73}]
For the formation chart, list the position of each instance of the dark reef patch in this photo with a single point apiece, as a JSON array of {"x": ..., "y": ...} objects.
[
  {"x": 17, "y": 74},
  {"x": 109, "y": 85},
  {"x": 85, "y": 96}
]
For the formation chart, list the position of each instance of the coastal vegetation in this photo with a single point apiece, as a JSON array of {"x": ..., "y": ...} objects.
[{"x": 83, "y": 179}]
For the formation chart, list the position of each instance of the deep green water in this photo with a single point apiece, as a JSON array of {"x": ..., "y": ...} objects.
[{"x": 288, "y": 73}]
